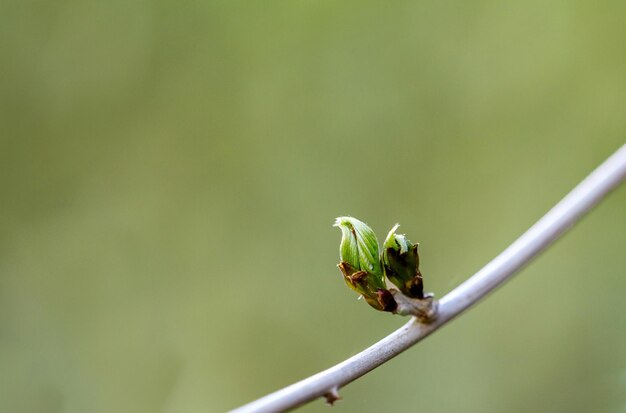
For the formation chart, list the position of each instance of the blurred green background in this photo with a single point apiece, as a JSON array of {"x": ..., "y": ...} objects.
[{"x": 170, "y": 172}]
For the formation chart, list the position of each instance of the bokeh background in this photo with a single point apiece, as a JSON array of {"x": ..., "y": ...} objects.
[{"x": 170, "y": 172}]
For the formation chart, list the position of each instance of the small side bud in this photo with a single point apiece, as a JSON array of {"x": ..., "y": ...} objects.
[
  {"x": 332, "y": 396},
  {"x": 360, "y": 263},
  {"x": 401, "y": 264}
]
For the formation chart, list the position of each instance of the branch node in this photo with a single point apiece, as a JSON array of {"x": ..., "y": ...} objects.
[{"x": 424, "y": 309}]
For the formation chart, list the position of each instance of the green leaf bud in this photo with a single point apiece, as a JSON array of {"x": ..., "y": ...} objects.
[
  {"x": 360, "y": 263},
  {"x": 359, "y": 246},
  {"x": 401, "y": 264}
]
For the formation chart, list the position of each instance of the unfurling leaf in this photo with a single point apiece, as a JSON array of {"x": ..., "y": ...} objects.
[
  {"x": 401, "y": 264},
  {"x": 360, "y": 263}
]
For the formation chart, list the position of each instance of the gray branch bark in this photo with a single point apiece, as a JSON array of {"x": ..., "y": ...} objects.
[{"x": 539, "y": 237}]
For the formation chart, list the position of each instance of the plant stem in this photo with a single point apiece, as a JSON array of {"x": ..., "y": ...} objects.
[{"x": 540, "y": 236}]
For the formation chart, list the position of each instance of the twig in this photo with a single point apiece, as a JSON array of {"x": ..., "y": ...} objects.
[{"x": 540, "y": 236}]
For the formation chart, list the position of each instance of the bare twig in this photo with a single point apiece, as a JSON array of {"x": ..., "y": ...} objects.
[{"x": 540, "y": 236}]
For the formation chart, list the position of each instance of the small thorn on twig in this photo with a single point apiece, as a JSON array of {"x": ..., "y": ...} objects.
[{"x": 332, "y": 396}]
